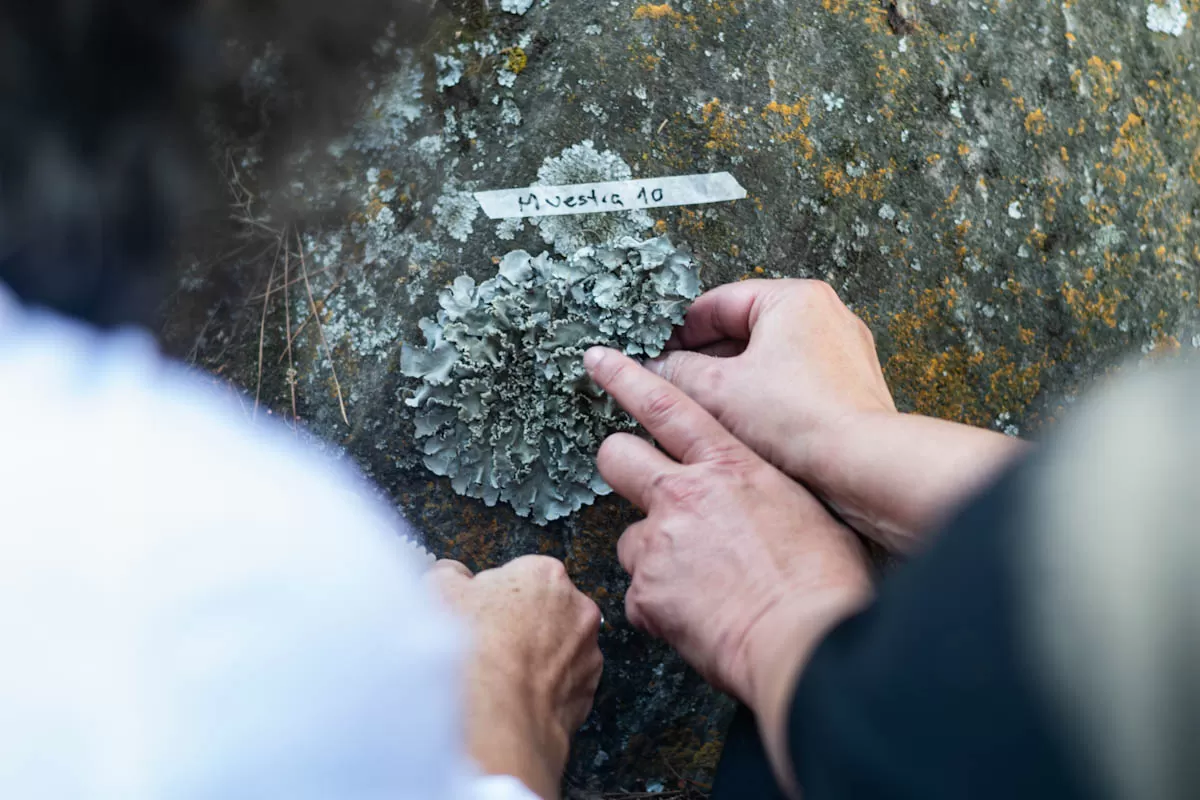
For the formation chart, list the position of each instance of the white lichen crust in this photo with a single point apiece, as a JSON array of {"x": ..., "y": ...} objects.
[{"x": 505, "y": 408}]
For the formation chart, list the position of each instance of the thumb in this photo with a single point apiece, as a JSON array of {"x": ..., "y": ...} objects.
[{"x": 700, "y": 377}]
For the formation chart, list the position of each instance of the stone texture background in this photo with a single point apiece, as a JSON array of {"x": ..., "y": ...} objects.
[{"x": 1006, "y": 190}]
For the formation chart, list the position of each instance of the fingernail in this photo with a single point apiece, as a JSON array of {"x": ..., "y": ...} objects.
[
  {"x": 593, "y": 357},
  {"x": 655, "y": 365}
]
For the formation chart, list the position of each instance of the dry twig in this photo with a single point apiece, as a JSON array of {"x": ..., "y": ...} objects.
[
  {"x": 287, "y": 327},
  {"x": 262, "y": 327},
  {"x": 320, "y": 330}
]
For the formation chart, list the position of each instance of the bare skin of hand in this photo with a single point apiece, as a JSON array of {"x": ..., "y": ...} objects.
[
  {"x": 793, "y": 373},
  {"x": 737, "y": 566},
  {"x": 534, "y": 667}
]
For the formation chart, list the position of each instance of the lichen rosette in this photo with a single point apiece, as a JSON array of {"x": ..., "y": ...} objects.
[{"x": 504, "y": 407}]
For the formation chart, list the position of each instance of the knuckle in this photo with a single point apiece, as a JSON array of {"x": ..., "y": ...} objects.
[
  {"x": 590, "y": 614},
  {"x": 723, "y": 457},
  {"x": 446, "y": 567},
  {"x": 711, "y": 380},
  {"x": 811, "y": 292},
  {"x": 676, "y": 488},
  {"x": 613, "y": 370},
  {"x": 659, "y": 549},
  {"x": 553, "y": 568},
  {"x": 864, "y": 330},
  {"x": 658, "y": 407},
  {"x": 633, "y": 607},
  {"x": 596, "y": 665},
  {"x": 669, "y": 365},
  {"x": 542, "y": 566}
]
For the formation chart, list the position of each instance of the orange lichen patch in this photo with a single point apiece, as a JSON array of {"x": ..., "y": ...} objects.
[
  {"x": 1135, "y": 143},
  {"x": 1049, "y": 207},
  {"x": 934, "y": 382},
  {"x": 1101, "y": 213},
  {"x": 796, "y": 113},
  {"x": 1011, "y": 388},
  {"x": 659, "y": 11},
  {"x": 1035, "y": 122},
  {"x": 690, "y": 221},
  {"x": 515, "y": 59},
  {"x": 1092, "y": 306},
  {"x": 1099, "y": 82},
  {"x": 644, "y": 57},
  {"x": 723, "y": 129},
  {"x": 871, "y": 185},
  {"x": 951, "y": 381},
  {"x": 834, "y": 6},
  {"x": 1025, "y": 335},
  {"x": 660, "y": 226},
  {"x": 663, "y": 11},
  {"x": 789, "y": 123}
]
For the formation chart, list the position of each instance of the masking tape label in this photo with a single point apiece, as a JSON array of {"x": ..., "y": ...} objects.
[{"x": 595, "y": 198}]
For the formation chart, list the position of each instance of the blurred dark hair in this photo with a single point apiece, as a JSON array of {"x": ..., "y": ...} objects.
[{"x": 99, "y": 128}]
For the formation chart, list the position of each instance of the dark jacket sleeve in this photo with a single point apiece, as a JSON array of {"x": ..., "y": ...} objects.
[{"x": 929, "y": 693}]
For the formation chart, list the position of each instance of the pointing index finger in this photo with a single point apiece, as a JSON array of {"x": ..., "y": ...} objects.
[{"x": 680, "y": 425}]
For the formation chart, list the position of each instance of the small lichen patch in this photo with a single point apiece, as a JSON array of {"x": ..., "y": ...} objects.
[
  {"x": 657, "y": 11},
  {"x": 518, "y": 7},
  {"x": 392, "y": 110},
  {"x": 515, "y": 60},
  {"x": 449, "y": 70},
  {"x": 1035, "y": 122},
  {"x": 455, "y": 212},
  {"x": 583, "y": 163},
  {"x": 1169, "y": 18},
  {"x": 505, "y": 408}
]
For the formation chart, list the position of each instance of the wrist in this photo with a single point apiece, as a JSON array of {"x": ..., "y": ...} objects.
[
  {"x": 779, "y": 646},
  {"x": 776, "y": 655},
  {"x": 509, "y": 734},
  {"x": 894, "y": 476}
]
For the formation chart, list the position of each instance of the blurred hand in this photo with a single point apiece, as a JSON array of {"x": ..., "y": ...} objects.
[
  {"x": 793, "y": 373},
  {"x": 534, "y": 667},
  {"x": 732, "y": 552}
]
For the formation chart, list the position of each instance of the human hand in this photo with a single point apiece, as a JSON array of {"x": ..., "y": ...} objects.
[
  {"x": 777, "y": 362},
  {"x": 738, "y": 567},
  {"x": 793, "y": 373},
  {"x": 534, "y": 667}
]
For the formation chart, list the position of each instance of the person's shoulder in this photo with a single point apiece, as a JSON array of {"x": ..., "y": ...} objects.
[{"x": 109, "y": 408}]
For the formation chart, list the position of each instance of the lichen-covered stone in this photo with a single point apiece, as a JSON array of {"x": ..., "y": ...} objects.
[
  {"x": 506, "y": 410},
  {"x": 1005, "y": 191}
]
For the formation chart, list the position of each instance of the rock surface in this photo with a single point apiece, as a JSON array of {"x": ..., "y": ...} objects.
[{"x": 1005, "y": 191}]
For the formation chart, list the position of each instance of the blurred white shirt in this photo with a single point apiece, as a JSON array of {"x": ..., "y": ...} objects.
[{"x": 194, "y": 606}]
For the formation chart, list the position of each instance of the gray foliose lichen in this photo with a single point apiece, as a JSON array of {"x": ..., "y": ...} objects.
[{"x": 505, "y": 408}]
